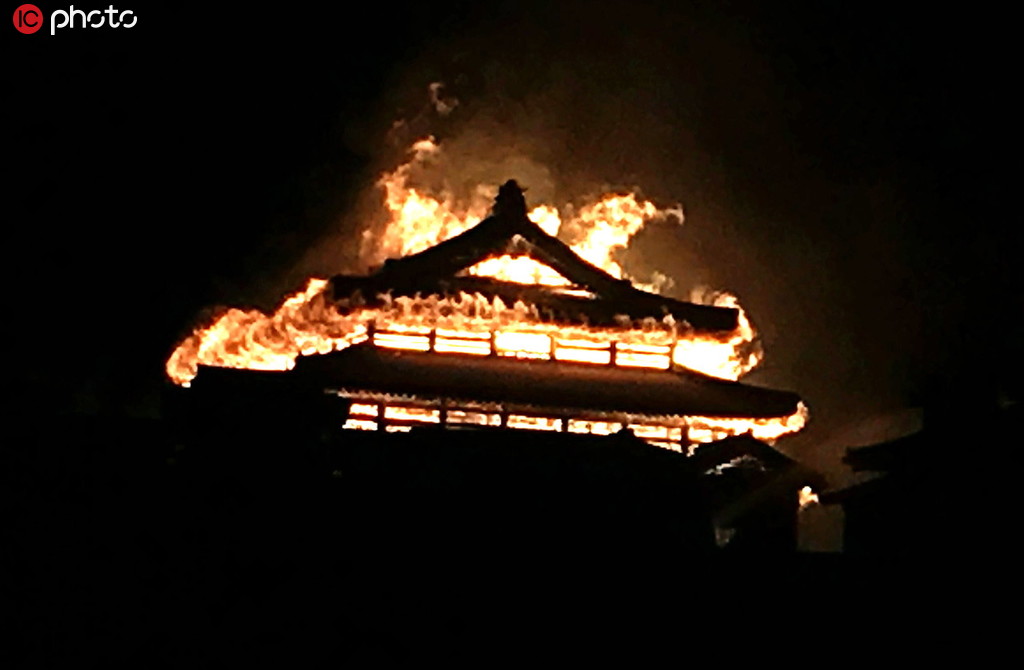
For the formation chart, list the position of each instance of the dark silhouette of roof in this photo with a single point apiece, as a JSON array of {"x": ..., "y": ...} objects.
[
  {"x": 508, "y": 230},
  {"x": 510, "y": 201},
  {"x": 728, "y": 449},
  {"x": 895, "y": 455},
  {"x": 544, "y": 383}
]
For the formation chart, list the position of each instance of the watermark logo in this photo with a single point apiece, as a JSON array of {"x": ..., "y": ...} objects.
[{"x": 28, "y": 19}]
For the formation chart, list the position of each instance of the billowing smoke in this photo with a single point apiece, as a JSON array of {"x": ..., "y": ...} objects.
[{"x": 794, "y": 197}]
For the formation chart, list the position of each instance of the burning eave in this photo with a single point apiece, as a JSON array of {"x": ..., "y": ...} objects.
[{"x": 552, "y": 305}]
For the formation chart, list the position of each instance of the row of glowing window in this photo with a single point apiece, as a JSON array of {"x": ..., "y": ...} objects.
[
  {"x": 530, "y": 345},
  {"x": 364, "y": 416}
]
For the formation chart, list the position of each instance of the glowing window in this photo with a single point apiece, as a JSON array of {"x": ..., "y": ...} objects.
[
  {"x": 523, "y": 345},
  {"x": 360, "y": 424},
  {"x": 593, "y": 427},
  {"x": 583, "y": 351},
  {"x": 643, "y": 356},
  {"x": 473, "y": 418},
  {"x": 462, "y": 342},
  {"x": 363, "y": 409},
  {"x": 418, "y": 414},
  {"x": 400, "y": 341},
  {"x": 533, "y": 422}
]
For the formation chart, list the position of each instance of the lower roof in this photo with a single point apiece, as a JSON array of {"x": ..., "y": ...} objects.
[{"x": 572, "y": 386}]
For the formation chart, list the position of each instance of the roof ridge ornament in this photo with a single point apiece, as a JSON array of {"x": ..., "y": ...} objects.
[{"x": 510, "y": 202}]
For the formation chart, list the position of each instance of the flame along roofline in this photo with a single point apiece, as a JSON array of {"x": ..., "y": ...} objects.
[
  {"x": 435, "y": 270},
  {"x": 476, "y": 405}
]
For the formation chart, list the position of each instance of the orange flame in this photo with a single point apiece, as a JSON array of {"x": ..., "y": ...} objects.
[
  {"x": 728, "y": 358},
  {"x": 807, "y": 497},
  {"x": 710, "y": 429},
  {"x": 308, "y": 322},
  {"x": 419, "y": 221},
  {"x": 607, "y": 226}
]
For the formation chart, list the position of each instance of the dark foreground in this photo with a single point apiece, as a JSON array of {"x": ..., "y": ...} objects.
[{"x": 126, "y": 542}]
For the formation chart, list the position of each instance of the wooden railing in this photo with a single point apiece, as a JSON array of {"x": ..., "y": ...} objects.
[{"x": 524, "y": 345}]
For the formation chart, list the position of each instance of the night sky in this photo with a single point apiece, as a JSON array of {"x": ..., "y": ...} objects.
[{"x": 845, "y": 169}]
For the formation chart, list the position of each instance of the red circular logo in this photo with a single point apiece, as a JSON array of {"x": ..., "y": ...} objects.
[{"x": 28, "y": 19}]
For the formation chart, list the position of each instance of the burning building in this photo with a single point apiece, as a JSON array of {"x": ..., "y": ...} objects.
[
  {"x": 505, "y": 326},
  {"x": 577, "y": 367},
  {"x": 483, "y": 358}
]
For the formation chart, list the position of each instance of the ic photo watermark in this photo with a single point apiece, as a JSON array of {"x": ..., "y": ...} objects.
[{"x": 29, "y": 19}]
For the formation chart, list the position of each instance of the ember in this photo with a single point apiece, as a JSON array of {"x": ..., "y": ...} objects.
[{"x": 503, "y": 287}]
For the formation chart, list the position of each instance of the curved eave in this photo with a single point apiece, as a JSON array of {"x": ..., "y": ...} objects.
[
  {"x": 572, "y": 386},
  {"x": 551, "y": 304}
]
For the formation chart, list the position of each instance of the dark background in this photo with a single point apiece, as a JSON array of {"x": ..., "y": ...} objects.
[{"x": 846, "y": 169}]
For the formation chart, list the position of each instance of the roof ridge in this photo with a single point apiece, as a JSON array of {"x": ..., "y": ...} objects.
[{"x": 496, "y": 235}]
